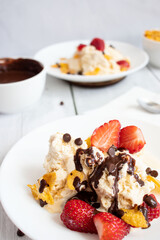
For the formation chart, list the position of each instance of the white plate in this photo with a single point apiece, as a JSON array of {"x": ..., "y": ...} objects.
[
  {"x": 23, "y": 165},
  {"x": 50, "y": 55}
]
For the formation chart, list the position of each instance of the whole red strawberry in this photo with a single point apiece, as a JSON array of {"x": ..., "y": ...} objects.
[
  {"x": 109, "y": 227},
  {"x": 81, "y": 46},
  {"x": 106, "y": 135},
  {"x": 78, "y": 215},
  {"x": 154, "y": 211},
  {"x": 98, "y": 43},
  {"x": 132, "y": 139}
]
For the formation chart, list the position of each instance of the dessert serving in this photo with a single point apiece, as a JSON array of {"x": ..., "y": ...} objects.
[
  {"x": 97, "y": 58},
  {"x": 99, "y": 185}
]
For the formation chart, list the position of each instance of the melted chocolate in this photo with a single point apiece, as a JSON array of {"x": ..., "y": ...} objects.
[
  {"x": 79, "y": 186},
  {"x": 150, "y": 201},
  {"x": 140, "y": 181},
  {"x": 144, "y": 211},
  {"x": 114, "y": 163},
  {"x": 15, "y": 70},
  {"x": 77, "y": 160},
  {"x": 91, "y": 159},
  {"x": 88, "y": 197},
  {"x": 42, "y": 186}
]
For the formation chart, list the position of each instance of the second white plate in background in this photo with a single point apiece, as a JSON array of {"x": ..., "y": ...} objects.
[{"x": 52, "y": 54}]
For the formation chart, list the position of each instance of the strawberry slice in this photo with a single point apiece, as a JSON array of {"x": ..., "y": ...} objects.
[
  {"x": 132, "y": 139},
  {"x": 106, "y": 135},
  {"x": 109, "y": 227},
  {"x": 98, "y": 43},
  {"x": 81, "y": 46},
  {"x": 78, "y": 215},
  {"x": 123, "y": 64},
  {"x": 153, "y": 207}
]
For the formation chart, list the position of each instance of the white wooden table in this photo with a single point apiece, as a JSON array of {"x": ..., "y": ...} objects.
[{"x": 76, "y": 101}]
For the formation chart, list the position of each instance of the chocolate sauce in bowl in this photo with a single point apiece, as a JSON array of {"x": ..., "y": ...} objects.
[{"x": 15, "y": 70}]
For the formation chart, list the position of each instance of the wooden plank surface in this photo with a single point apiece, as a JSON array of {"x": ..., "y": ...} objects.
[{"x": 89, "y": 98}]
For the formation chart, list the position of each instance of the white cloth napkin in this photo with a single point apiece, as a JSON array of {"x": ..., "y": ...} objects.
[{"x": 127, "y": 105}]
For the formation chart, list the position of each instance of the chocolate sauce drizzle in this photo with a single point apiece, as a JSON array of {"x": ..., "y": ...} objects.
[
  {"x": 144, "y": 211},
  {"x": 91, "y": 159},
  {"x": 42, "y": 186},
  {"x": 113, "y": 163},
  {"x": 88, "y": 197},
  {"x": 79, "y": 186}
]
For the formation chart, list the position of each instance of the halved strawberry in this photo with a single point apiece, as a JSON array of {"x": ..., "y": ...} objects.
[
  {"x": 123, "y": 64},
  {"x": 106, "y": 135},
  {"x": 132, "y": 139},
  {"x": 109, "y": 227},
  {"x": 78, "y": 215},
  {"x": 98, "y": 43},
  {"x": 81, "y": 46},
  {"x": 153, "y": 209}
]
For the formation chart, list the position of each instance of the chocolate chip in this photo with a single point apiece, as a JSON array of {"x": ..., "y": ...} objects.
[
  {"x": 43, "y": 184},
  {"x": 20, "y": 233},
  {"x": 154, "y": 173},
  {"x": 42, "y": 203},
  {"x": 61, "y": 103},
  {"x": 66, "y": 137},
  {"x": 78, "y": 141},
  {"x": 148, "y": 170},
  {"x": 150, "y": 201}
]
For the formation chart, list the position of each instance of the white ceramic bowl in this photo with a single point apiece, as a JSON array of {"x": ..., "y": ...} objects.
[
  {"x": 152, "y": 47},
  {"x": 16, "y": 96}
]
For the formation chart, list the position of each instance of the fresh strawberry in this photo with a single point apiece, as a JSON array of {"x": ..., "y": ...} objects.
[
  {"x": 81, "y": 46},
  {"x": 106, "y": 135},
  {"x": 98, "y": 43},
  {"x": 132, "y": 139},
  {"x": 78, "y": 215},
  {"x": 123, "y": 64},
  {"x": 153, "y": 212},
  {"x": 109, "y": 227}
]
